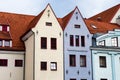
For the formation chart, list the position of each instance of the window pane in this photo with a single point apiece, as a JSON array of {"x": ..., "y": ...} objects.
[
  {"x": 43, "y": 65},
  {"x": 82, "y": 61},
  {"x": 101, "y": 43},
  {"x": 48, "y": 24},
  {"x": 114, "y": 41},
  {"x": 77, "y": 40},
  {"x": 0, "y": 42},
  {"x": 102, "y": 60},
  {"x": 72, "y": 60},
  {"x": 77, "y": 26},
  {"x": 83, "y": 41},
  {"x": 7, "y": 43},
  {"x": 4, "y": 27},
  {"x": 71, "y": 40},
  {"x": 53, "y": 43},
  {"x": 18, "y": 63},
  {"x": 3, "y": 62},
  {"x": 53, "y": 66},
  {"x": 43, "y": 43}
]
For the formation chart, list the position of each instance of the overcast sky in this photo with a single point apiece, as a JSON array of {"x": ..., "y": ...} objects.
[{"x": 88, "y": 8}]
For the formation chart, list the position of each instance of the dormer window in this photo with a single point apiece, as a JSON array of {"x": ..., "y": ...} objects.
[
  {"x": 4, "y": 28},
  {"x": 7, "y": 43}
]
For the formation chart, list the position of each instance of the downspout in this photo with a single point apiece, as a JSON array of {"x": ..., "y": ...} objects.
[
  {"x": 113, "y": 67},
  {"x": 34, "y": 57}
]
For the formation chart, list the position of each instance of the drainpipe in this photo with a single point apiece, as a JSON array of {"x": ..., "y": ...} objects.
[{"x": 113, "y": 66}]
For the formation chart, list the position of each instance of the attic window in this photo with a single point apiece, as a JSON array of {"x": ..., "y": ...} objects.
[
  {"x": 93, "y": 26},
  {"x": 77, "y": 26},
  {"x": 4, "y": 28},
  {"x": 48, "y": 24},
  {"x": 76, "y": 12}
]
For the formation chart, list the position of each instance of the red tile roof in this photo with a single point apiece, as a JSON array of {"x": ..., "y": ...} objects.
[
  {"x": 100, "y": 27},
  {"x": 18, "y": 25},
  {"x": 5, "y": 35},
  {"x": 107, "y": 15}
]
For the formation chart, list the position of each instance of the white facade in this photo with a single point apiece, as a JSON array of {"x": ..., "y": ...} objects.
[
  {"x": 10, "y": 71},
  {"x": 110, "y": 51},
  {"x": 76, "y": 71},
  {"x": 35, "y": 55}
]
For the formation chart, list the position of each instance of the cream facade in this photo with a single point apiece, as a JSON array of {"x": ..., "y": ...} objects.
[
  {"x": 8, "y": 68},
  {"x": 46, "y": 60}
]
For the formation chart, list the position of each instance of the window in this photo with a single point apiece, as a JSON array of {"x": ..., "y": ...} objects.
[
  {"x": 7, "y": 43},
  {"x": 3, "y": 62},
  {"x": 72, "y": 60},
  {"x": 43, "y": 65},
  {"x": 72, "y": 79},
  {"x": 83, "y": 79},
  {"x": 102, "y": 60},
  {"x": 77, "y": 40},
  {"x": 4, "y": 27},
  {"x": 83, "y": 41},
  {"x": 114, "y": 41},
  {"x": 77, "y": 26},
  {"x": 53, "y": 43},
  {"x": 0, "y": 42},
  {"x": 71, "y": 40},
  {"x": 101, "y": 43},
  {"x": 43, "y": 43},
  {"x": 18, "y": 63},
  {"x": 48, "y": 24},
  {"x": 53, "y": 66},
  {"x": 82, "y": 61},
  {"x": 103, "y": 79}
]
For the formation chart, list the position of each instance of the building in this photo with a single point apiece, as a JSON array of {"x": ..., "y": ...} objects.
[
  {"x": 106, "y": 56},
  {"x": 105, "y": 44},
  {"x": 77, "y": 40},
  {"x": 44, "y": 47}
]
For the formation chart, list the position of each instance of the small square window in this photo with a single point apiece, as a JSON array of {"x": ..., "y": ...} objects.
[
  {"x": 53, "y": 66},
  {"x": 3, "y": 62},
  {"x": 7, "y": 43},
  {"x": 48, "y": 24},
  {"x": 77, "y": 26},
  {"x": 43, "y": 65},
  {"x": 18, "y": 63}
]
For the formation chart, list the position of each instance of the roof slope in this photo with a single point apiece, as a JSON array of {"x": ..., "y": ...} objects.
[
  {"x": 107, "y": 15},
  {"x": 100, "y": 27},
  {"x": 18, "y": 25}
]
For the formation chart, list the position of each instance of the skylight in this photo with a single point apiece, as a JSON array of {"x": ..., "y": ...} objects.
[{"x": 93, "y": 26}]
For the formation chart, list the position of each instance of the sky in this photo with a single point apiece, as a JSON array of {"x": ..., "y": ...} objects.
[{"x": 87, "y": 8}]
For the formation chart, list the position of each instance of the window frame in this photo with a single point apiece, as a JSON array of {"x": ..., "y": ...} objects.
[
  {"x": 53, "y": 66},
  {"x": 77, "y": 40},
  {"x": 3, "y": 62},
  {"x": 82, "y": 41},
  {"x": 53, "y": 43},
  {"x": 114, "y": 41},
  {"x": 71, "y": 40},
  {"x": 101, "y": 43},
  {"x": 43, "y": 65},
  {"x": 48, "y": 23},
  {"x": 102, "y": 62},
  {"x": 7, "y": 43},
  {"x": 83, "y": 61},
  {"x": 43, "y": 42},
  {"x": 77, "y": 26},
  {"x": 72, "y": 60},
  {"x": 18, "y": 63}
]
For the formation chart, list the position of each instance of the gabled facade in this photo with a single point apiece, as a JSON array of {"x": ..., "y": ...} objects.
[
  {"x": 106, "y": 56},
  {"x": 77, "y": 40},
  {"x": 44, "y": 48}
]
